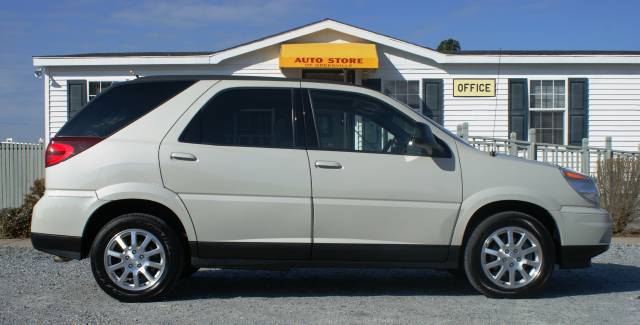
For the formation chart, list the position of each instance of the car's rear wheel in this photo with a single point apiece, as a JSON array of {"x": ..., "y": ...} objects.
[
  {"x": 137, "y": 257},
  {"x": 509, "y": 255}
]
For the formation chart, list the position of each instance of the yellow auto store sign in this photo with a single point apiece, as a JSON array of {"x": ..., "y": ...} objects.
[
  {"x": 329, "y": 55},
  {"x": 474, "y": 87}
]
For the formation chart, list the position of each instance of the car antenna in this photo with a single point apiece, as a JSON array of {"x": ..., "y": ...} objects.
[{"x": 493, "y": 150}]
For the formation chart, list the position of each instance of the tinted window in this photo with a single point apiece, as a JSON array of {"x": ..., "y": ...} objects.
[
  {"x": 353, "y": 122},
  {"x": 121, "y": 105},
  {"x": 244, "y": 117}
]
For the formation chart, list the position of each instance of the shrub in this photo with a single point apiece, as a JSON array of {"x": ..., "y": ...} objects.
[
  {"x": 619, "y": 184},
  {"x": 16, "y": 222}
]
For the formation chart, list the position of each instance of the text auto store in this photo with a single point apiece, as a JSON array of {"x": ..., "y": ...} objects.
[{"x": 564, "y": 95}]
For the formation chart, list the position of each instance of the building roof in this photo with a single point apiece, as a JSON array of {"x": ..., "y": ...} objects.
[
  {"x": 464, "y": 57},
  {"x": 466, "y": 52},
  {"x": 125, "y": 54}
]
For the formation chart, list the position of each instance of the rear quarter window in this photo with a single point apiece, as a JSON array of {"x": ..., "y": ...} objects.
[{"x": 120, "y": 106}]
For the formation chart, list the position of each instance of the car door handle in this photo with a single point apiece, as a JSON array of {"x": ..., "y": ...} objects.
[
  {"x": 183, "y": 156},
  {"x": 328, "y": 164}
]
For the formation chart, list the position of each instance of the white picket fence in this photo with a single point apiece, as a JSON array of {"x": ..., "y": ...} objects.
[
  {"x": 20, "y": 165},
  {"x": 583, "y": 158}
]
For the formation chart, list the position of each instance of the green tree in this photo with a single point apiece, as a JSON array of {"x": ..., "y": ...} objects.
[{"x": 449, "y": 46}]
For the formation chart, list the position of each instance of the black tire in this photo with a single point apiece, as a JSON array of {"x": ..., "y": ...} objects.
[
  {"x": 174, "y": 255},
  {"x": 472, "y": 254}
]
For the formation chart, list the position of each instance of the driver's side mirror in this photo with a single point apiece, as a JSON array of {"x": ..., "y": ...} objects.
[{"x": 424, "y": 139}]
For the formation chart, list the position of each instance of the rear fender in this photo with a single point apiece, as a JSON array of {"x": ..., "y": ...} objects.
[{"x": 151, "y": 192}]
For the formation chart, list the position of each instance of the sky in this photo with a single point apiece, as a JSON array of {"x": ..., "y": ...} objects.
[{"x": 29, "y": 28}]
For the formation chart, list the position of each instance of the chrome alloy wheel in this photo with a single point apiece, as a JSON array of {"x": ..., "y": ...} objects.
[
  {"x": 134, "y": 259},
  {"x": 511, "y": 257}
]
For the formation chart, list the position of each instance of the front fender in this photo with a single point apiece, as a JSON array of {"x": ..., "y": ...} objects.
[
  {"x": 480, "y": 199},
  {"x": 151, "y": 192}
]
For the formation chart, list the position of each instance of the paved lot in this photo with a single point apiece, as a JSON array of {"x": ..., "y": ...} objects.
[{"x": 34, "y": 289}]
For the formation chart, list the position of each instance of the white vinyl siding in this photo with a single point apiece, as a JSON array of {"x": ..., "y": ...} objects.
[
  {"x": 614, "y": 103},
  {"x": 57, "y": 105},
  {"x": 614, "y": 89},
  {"x": 614, "y": 110}
]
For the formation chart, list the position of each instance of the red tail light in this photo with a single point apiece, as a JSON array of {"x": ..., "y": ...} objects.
[{"x": 63, "y": 148}]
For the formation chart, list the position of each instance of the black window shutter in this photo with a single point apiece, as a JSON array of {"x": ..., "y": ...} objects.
[
  {"x": 76, "y": 96},
  {"x": 375, "y": 84},
  {"x": 518, "y": 108},
  {"x": 578, "y": 111},
  {"x": 433, "y": 99}
]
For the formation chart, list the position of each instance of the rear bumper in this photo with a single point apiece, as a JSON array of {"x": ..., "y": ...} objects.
[
  {"x": 64, "y": 213},
  {"x": 575, "y": 257},
  {"x": 59, "y": 245}
]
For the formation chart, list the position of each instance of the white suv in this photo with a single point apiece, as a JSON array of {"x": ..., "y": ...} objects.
[{"x": 160, "y": 176}]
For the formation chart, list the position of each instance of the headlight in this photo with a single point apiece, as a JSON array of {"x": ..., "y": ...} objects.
[{"x": 583, "y": 184}]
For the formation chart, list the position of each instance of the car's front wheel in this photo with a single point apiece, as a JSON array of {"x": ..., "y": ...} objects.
[
  {"x": 137, "y": 257},
  {"x": 509, "y": 255}
]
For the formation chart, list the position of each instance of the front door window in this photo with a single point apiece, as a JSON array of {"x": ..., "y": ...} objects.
[{"x": 350, "y": 122}]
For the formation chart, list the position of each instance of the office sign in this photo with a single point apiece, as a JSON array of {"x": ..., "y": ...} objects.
[{"x": 474, "y": 87}]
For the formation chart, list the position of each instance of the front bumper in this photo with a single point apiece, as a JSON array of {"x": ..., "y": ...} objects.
[
  {"x": 585, "y": 233},
  {"x": 575, "y": 257},
  {"x": 59, "y": 245}
]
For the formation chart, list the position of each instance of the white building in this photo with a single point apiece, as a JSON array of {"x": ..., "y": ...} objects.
[{"x": 564, "y": 95}]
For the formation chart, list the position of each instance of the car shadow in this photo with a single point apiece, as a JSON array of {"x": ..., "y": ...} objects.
[{"x": 230, "y": 283}]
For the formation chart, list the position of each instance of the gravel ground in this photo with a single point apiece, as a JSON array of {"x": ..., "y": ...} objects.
[{"x": 34, "y": 289}]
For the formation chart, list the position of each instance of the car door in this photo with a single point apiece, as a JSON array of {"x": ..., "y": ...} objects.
[
  {"x": 236, "y": 163},
  {"x": 376, "y": 197}
]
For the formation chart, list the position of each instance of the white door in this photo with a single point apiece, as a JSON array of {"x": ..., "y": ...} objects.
[
  {"x": 236, "y": 163},
  {"x": 375, "y": 197}
]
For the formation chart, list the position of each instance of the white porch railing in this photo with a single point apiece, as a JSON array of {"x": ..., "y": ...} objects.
[{"x": 583, "y": 158}]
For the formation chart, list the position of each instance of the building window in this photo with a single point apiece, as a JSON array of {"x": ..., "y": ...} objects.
[
  {"x": 549, "y": 126},
  {"x": 96, "y": 87},
  {"x": 549, "y": 94},
  {"x": 547, "y": 102},
  {"x": 406, "y": 91}
]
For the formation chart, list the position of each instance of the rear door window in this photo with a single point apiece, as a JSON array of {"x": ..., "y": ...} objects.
[
  {"x": 119, "y": 106},
  {"x": 261, "y": 117}
]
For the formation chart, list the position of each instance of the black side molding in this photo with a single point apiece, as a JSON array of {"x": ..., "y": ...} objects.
[
  {"x": 252, "y": 250},
  {"x": 575, "y": 257},
  {"x": 381, "y": 252},
  {"x": 59, "y": 245},
  {"x": 266, "y": 255}
]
